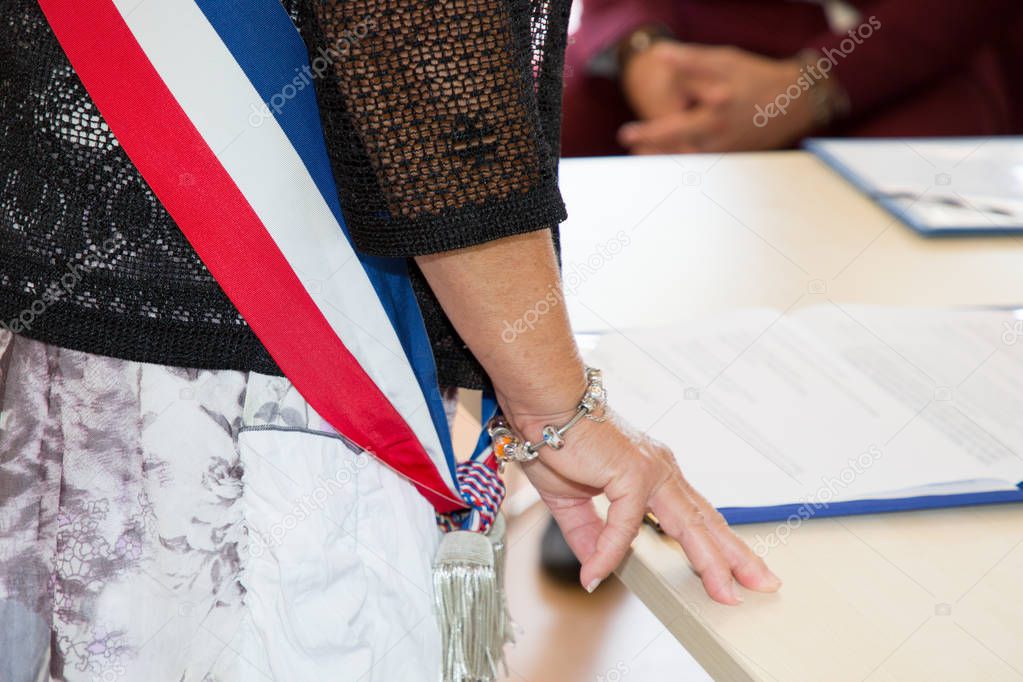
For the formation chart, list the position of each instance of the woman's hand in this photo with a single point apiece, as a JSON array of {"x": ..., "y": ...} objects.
[
  {"x": 637, "y": 474},
  {"x": 539, "y": 377}
]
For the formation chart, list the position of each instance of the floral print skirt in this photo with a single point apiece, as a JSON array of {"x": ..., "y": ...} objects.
[{"x": 160, "y": 523}]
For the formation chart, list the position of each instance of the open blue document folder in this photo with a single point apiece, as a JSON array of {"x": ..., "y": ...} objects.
[
  {"x": 830, "y": 410},
  {"x": 937, "y": 186}
]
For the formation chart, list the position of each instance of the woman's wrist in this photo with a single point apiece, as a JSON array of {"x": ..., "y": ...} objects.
[
  {"x": 529, "y": 409},
  {"x": 550, "y": 396},
  {"x": 517, "y": 442}
]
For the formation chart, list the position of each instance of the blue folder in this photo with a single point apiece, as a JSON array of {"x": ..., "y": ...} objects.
[
  {"x": 784, "y": 512},
  {"x": 937, "y": 171}
]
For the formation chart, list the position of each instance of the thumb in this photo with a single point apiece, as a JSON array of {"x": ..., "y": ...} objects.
[
  {"x": 624, "y": 517},
  {"x": 579, "y": 522}
]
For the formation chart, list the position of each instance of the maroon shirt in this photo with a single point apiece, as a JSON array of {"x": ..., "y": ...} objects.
[{"x": 930, "y": 68}]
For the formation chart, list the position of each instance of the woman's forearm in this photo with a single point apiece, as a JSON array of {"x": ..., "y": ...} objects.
[{"x": 505, "y": 299}]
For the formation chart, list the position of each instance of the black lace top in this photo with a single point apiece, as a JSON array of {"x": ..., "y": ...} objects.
[{"x": 442, "y": 124}]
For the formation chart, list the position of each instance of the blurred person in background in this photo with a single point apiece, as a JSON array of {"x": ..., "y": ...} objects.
[{"x": 659, "y": 76}]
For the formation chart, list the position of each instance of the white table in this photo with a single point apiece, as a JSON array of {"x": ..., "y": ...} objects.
[
  {"x": 932, "y": 595},
  {"x": 699, "y": 234}
]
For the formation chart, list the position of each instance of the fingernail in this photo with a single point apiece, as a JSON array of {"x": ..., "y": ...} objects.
[
  {"x": 594, "y": 584},
  {"x": 627, "y": 133},
  {"x": 776, "y": 580},
  {"x": 737, "y": 593}
]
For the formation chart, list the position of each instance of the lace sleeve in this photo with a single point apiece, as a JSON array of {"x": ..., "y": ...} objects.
[{"x": 441, "y": 117}]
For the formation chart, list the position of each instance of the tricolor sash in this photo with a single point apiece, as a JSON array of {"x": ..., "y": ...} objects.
[{"x": 184, "y": 85}]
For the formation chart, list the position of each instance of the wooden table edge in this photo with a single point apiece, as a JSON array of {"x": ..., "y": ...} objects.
[{"x": 678, "y": 615}]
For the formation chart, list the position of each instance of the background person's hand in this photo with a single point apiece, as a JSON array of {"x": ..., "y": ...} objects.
[
  {"x": 652, "y": 81},
  {"x": 637, "y": 474},
  {"x": 722, "y": 88}
]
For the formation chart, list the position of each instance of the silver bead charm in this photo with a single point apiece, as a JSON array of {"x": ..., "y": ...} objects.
[{"x": 553, "y": 439}]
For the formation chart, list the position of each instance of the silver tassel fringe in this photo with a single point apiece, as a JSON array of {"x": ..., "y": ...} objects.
[
  {"x": 471, "y": 607},
  {"x": 497, "y": 537}
]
